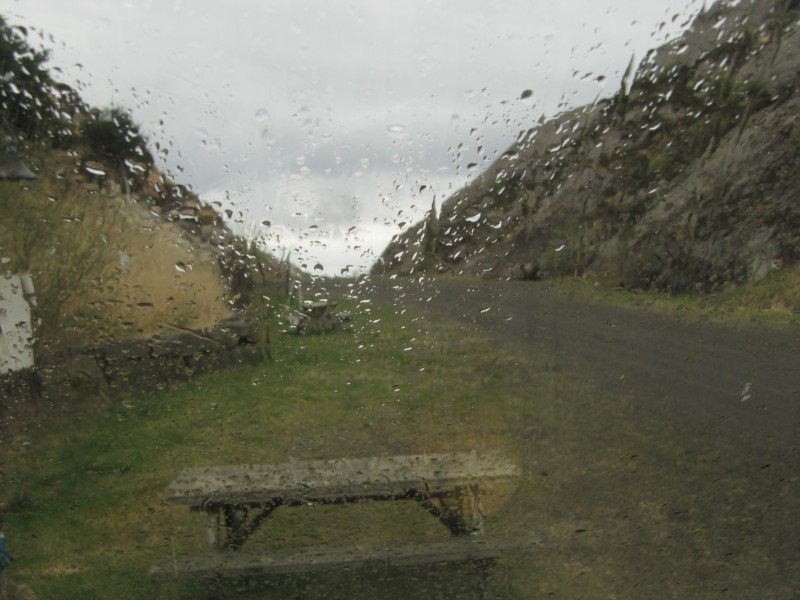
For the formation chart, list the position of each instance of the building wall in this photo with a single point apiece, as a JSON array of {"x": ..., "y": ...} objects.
[{"x": 16, "y": 335}]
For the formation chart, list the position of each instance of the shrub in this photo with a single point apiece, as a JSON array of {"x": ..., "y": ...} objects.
[{"x": 112, "y": 134}]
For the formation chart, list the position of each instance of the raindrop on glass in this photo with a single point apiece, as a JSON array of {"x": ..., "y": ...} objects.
[{"x": 396, "y": 130}]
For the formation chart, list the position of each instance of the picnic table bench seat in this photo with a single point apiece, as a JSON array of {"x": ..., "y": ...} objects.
[{"x": 232, "y": 565}]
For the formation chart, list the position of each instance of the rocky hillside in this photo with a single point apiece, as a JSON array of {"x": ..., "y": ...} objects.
[
  {"x": 685, "y": 180},
  {"x": 114, "y": 246}
]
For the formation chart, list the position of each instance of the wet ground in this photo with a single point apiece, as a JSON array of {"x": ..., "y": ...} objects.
[{"x": 672, "y": 471}]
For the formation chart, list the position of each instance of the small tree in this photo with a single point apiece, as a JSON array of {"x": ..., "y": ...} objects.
[
  {"x": 26, "y": 103},
  {"x": 113, "y": 135}
]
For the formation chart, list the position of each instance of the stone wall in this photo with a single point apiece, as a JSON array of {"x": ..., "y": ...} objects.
[{"x": 145, "y": 364}]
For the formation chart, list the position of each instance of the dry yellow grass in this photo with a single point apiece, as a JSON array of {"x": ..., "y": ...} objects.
[
  {"x": 103, "y": 264},
  {"x": 163, "y": 276}
]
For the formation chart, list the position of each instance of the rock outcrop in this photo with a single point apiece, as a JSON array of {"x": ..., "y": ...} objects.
[
  {"x": 685, "y": 180},
  {"x": 140, "y": 364}
]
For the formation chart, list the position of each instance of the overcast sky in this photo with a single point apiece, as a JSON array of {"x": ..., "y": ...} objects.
[{"x": 317, "y": 122}]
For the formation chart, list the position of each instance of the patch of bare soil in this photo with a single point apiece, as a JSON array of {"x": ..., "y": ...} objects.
[
  {"x": 164, "y": 277},
  {"x": 670, "y": 469}
]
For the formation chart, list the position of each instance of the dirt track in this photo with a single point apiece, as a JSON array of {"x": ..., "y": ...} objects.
[{"x": 675, "y": 475}]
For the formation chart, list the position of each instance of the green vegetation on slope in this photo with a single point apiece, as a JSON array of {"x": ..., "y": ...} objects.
[
  {"x": 773, "y": 301},
  {"x": 683, "y": 182},
  {"x": 114, "y": 247}
]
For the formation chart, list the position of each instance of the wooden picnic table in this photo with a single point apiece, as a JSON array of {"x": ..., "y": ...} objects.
[
  {"x": 238, "y": 499},
  {"x": 318, "y": 317}
]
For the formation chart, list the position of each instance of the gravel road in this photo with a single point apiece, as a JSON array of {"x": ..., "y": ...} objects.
[{"x": 674, "y": 474}]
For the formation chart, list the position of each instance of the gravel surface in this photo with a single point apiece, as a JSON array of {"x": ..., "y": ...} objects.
[{"x": 673, "y": 473}]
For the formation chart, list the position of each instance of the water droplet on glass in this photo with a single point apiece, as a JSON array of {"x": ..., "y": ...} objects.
[
  {"x": 262, "y": 114},
  {"x": 396, "y": 130},
  {"x": 528, "y": 97},
  {"x": 95, "y": 168}
]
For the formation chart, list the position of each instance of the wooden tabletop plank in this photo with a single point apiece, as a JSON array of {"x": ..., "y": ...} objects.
[{"x": 328, "y": 480}]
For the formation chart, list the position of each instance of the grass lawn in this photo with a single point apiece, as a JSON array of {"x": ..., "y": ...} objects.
[
  {"x": 83, "y": 482},
  {"x": 605, "y": 484},
  {"x": 774, "y": 301}
]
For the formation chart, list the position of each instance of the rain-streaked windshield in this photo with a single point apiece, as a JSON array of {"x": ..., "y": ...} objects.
[{"x": 356, "y": 300}]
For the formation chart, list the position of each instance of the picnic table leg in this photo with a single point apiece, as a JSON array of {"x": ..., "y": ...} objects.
[
  {"x": 483, "y": 568},
  {"x": 460, "y": 511},
  {"x": 213, "y": 529},
  {"x": 241, "y": 523},
  {"x": 234, "y": 517},
  {"x": 474, "y": 508}
]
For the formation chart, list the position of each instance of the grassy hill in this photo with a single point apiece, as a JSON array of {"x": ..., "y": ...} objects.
[{"x": 115, "y": 248}]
